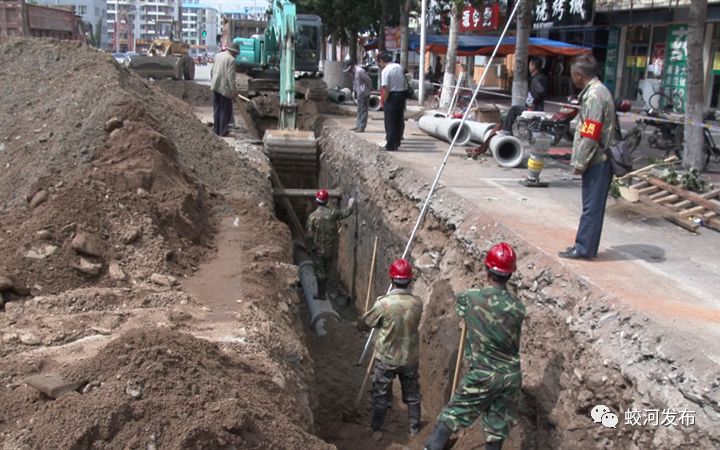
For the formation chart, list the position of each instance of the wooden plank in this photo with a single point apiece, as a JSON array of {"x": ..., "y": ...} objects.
[
  {"x": 659, "y": 194},
  {"x": 279, "y": 192},
  {"x": 710, "y": 215},
  {"x": 712, "y": 223},
  {"x": 712, "y": 194},
  {"x": 670, "y": 198},
  {"x": 689, "y": 195},
  {"x": 691, "y": 211},
  {"x": 299, "y": 230},
  {"x": 639, "y": 184},
  {"x": 671, "y": 215},
  {"x": 680, "y": 205},
  {"x": 648, "y": 190}
]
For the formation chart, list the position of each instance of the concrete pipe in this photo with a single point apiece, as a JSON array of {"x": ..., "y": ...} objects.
[
  {"x": 347, "y": 92},
  {"x": 374, "y": 103},
  {"x": 479, "y": 131},
  {"x": 445, "y": 128},
  {"x": 507, "y": 150},
  {"x": 320, "y": 310},
  {"x": 336, "y": 96}
]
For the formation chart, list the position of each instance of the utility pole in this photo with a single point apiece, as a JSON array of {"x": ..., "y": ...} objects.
[
  {"x": 179, "y": 22},
  {"x": 423, "y": 41},
  {"x": 117, "y": 26}
]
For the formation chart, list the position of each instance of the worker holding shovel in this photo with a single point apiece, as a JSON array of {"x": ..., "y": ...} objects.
[{"x": 491, "y": 387}]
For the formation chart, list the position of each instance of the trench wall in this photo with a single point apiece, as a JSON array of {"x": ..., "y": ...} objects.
[{"x": 579, "y": 347}]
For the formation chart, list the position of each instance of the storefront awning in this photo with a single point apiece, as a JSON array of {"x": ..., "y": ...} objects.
[{"x": 472, "y": 45}]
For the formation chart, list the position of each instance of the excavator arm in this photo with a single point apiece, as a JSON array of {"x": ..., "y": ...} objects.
[{"x": 280, "y": 43}]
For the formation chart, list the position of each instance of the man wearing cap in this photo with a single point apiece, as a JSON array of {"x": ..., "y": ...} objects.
[
  {"x": 223, "y": 85},
  {"x": 361, "y": 86}
]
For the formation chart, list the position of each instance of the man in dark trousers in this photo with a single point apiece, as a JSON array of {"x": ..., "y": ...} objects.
[
  {"x": 491, "y": 387},
  {"x": 393, "y": 96},
  {"x": 223, "y": 85},
  {"x": 593, "y": 135},
  {"x": 397, "y": 347},
  {"x": 535, "y": 100}
]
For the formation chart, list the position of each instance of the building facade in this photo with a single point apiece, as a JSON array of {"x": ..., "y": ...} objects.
[
  {"x": 136, "y": 23},
  {"x": 93, "y": 12}
]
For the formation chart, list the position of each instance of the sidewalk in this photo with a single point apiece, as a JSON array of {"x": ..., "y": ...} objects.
[{"x": 645, "y": 262}]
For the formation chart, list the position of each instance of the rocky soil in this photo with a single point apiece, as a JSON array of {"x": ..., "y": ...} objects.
[{"x": 113, "y": 196}]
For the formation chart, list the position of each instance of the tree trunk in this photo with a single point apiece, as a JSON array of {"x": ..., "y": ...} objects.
[
  {"x": 451, "y": 57},
  {"x": 520, "y": 72},
  {"x": 405, "y": 8},
  {"x": 694, "y": 141},
  {"x": 353, "y": 46},
  {"x": 383, "y": 22},
  {"x": 333, "y": 49}
]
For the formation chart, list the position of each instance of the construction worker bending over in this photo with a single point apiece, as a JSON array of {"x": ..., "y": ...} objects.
[
  {"x": 322, "y": 232},
  {"x": 397, "y": 347},
  {"x": 493, "y": 319}
]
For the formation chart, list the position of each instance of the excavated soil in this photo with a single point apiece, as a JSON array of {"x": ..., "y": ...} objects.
[{"x": 112, "y": 193}]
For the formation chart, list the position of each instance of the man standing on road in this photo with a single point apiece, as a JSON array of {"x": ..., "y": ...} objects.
[
  {"x": 593, "y": 134},
  {"x": 222, "y": 77},
  {"x": 361, "y": 86},
  {"x": 393, "y": 96},
  {"x": 321, "y": 230},
  {"x": 491, "y": 387},
  {"x": 535, "y": 100},
  {"x": 397, "y": 347}
]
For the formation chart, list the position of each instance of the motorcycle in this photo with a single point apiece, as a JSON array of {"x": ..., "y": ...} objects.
[{"x": 557, "y": 125}]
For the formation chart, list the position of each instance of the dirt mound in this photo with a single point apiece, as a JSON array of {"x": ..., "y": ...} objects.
[
  {"x": 89, "y": 149},
  {"x": 154, "y": 388},
  {"x": 188, "y": 91}
]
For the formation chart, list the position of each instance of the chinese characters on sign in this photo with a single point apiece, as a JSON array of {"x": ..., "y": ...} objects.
[
  {"x": 660, "y": 417},
  {"x": 674, "y": 76},
  {"x": 485, "y": 19},
  {"x": 556, "y": 13},
  {"x": 611, "y": 58}
]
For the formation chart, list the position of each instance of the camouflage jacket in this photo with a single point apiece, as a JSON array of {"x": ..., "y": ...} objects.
[
  {"x": 493, "y": 318},
  {"x": 321, "y": 228},
  {"x": 397, "y": 318},
  {"x": 596, "y": 124}
]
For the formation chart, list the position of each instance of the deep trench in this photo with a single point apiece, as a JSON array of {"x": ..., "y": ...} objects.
[{"x": 549, "y": 411}]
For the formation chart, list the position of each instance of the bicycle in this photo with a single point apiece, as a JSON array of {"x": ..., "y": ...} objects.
[{"x": 661, "y": 101}]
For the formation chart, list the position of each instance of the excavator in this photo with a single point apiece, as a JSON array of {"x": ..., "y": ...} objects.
[{"x": 278, "y": 50}]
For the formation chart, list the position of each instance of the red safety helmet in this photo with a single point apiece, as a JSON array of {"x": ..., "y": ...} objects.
[
  {"x": 322, "y": 196},
  {"x": 401, "y": 270},
  {"x": 501, "y": 259}
]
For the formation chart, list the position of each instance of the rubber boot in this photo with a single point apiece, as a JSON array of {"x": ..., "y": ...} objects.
[
  {"x": 378, "y": 417},
  {"x": 494, "y": 445},
  {"x": 439, "y": 437},
  {"x": 414, "y": 419}
]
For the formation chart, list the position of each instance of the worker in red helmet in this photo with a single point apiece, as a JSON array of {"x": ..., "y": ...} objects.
[
  {"x": 491, "y": 387},
  {"x": 321, "y": 236},
  {"x": 397, "y": 347}
]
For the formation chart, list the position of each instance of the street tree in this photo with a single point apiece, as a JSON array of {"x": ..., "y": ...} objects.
[
  {"x": 406, "y": 6},
  {"x": 694, "y": 142},
  {"x": 524, "y": 16},
  {"x": 456, "y": 8}
]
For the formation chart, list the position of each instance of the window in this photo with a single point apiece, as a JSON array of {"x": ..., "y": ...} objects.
[
  {"x": 82, "y": 10},
  {"x": 97, "y": 11}
]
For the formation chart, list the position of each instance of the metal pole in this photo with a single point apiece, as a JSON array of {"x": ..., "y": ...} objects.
[
  {"x": 117, "y": 26},
  {"x": 423, "y": 211},
  {"x": 423, "y": 37}
]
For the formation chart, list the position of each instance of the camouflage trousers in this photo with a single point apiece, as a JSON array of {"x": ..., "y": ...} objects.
[
  {"x": 383, "y": 378},
  {"x": 323, "y": 265},
  {"x": 495, "y": 395}
]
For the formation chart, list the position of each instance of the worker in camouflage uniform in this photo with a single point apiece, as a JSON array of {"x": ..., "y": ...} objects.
[
  {"x": 593, "y": 135},
  {"x": 491, "y": 387},
  {"x": 322, "y": 235},
  {"x": 397, "y": 347}
]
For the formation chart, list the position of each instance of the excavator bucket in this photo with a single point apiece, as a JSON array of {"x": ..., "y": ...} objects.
[
  {"x": 291, "y": 149},
  {"x": 158, "y": 67}
]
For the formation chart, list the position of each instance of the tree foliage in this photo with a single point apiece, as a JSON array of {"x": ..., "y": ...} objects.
[{"x": 343, "y": 19}]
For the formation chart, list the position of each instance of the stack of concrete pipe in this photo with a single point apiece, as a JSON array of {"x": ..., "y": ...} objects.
[
  {"x": 507, "y": 150},
  {"x": 336, "y": 95},
  {"x": 444, "y": 128}
]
